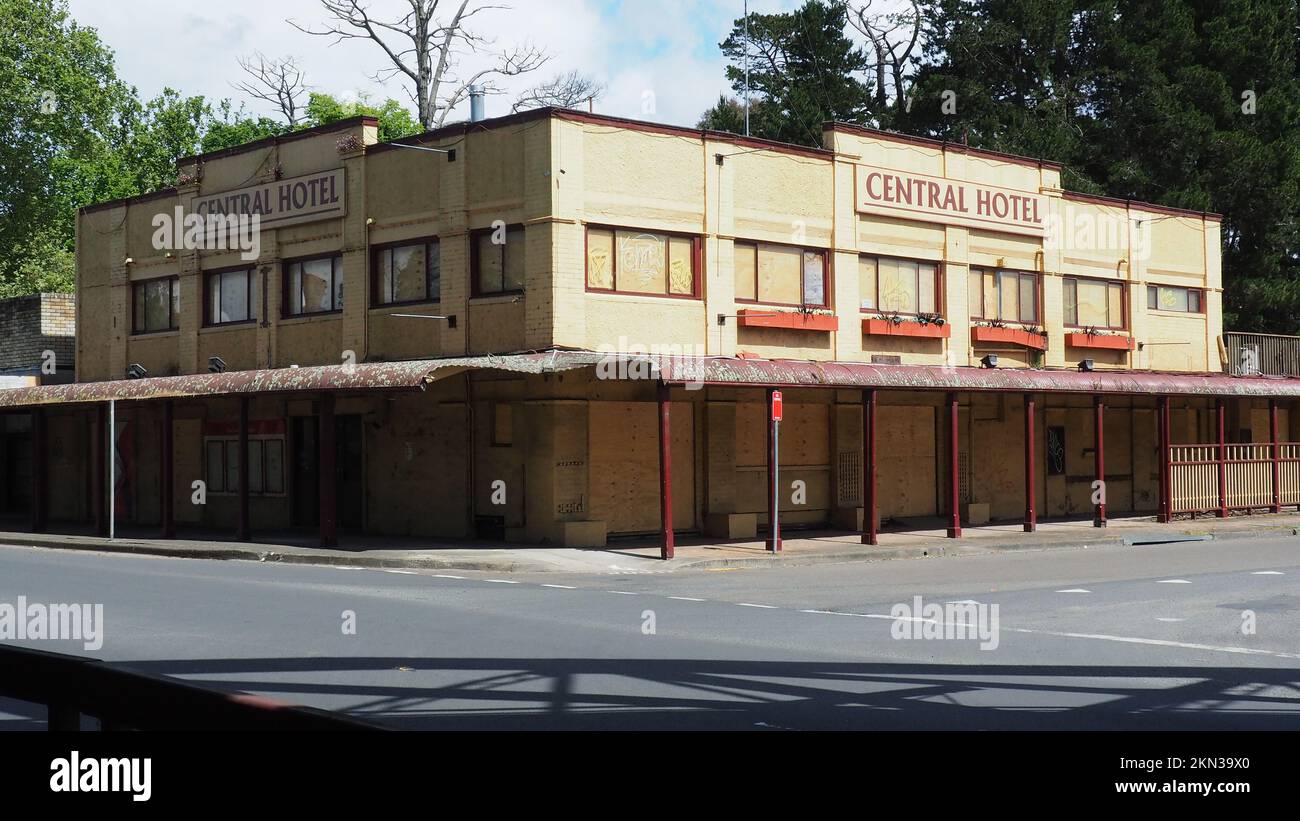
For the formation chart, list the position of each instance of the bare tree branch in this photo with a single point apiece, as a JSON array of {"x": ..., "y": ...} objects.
[
  {"x": 422, "y": 48},
  {"x": 893, "y": 38},
  {"x": 564, "y": 91},
  {"x": 280, "y": 82}
]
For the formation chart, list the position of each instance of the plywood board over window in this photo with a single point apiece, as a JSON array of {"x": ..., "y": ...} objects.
[{"x": 623, "y": 452}]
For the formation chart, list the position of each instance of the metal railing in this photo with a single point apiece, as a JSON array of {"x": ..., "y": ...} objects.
[
  {"x": 1271, "y": 354},
  {"x": 71, "y": 686}
]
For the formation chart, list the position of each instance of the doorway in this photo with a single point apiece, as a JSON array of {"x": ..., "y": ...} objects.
[{"x": 305, "y": 485}]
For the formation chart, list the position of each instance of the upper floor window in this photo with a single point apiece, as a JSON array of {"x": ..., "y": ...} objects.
[
  {"x": 313, "y": 286},
  {"x": 498, "y": 261},
  {"x": 780, "y": 274},
  {"x": 156, "y": 305},
  {"x": 229, "y": 296},
  {"x": 641, "y": 262},
  {"x": 410, "y": 272},
  {"x": 1006, "y": 296},
  {"x": 1094, "y": 303},
  {"x": 1171, "y": 298},
  {"x": 898, "y": 286}
]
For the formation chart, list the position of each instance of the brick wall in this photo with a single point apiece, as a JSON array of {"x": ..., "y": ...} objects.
[{"x": 32, "y": 324}]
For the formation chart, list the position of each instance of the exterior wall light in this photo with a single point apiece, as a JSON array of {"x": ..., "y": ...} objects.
[
  {"x": 216, "y": 364},
  {"x": 1086, "y": 365},
  {"x": 989, "y": 360},
  {"x": 136, "y": 371}
]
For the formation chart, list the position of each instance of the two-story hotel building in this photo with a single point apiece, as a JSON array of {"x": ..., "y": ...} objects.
[{"x": 559, "y": 327}]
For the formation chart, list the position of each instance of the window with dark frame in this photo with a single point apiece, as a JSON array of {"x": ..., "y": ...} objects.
[
  {"x": 780, "y": 275},
  {"x": 1094, "y": 303},
  {"x": 1174, "y": 298},
  {"x": 313, "y": 286},
  {"x": 642, "y": 262},
  {"x": 1005, "y": 296},
  {"x": 498, "y": 260},
  {"x": 899, "y": 286},
  {"x": 265, "y": 465},
  {"x": 408, "y": 272},
  {"x": 155, "y": 305},
  {"x": 229, "y": 296}
]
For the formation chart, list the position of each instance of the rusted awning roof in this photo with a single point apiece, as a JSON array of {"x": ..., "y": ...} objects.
[
  {"x": 788, "y": 373},
  {"x": 370, "y": 376},
  {"x": 802, "y": 373}
]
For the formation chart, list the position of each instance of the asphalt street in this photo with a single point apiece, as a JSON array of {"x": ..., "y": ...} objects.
[{"x": 1184, "y": 636}]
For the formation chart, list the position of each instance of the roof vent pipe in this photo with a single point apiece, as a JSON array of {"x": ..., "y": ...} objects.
[{"x": 476, "y": 95}]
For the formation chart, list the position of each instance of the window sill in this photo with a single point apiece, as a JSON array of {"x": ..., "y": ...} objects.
[
  {"x": 228, "y": 326},
  {"x": 299, "y": 319},
  {"x": 155, "y": 334},
  {"x": 383, "y": 307},
  {"x": 492, "y": 299}
]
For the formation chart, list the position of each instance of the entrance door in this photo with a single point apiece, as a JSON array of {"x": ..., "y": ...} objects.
[{"x": 306, "y": 471}]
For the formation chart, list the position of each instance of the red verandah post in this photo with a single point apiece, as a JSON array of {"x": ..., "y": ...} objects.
[
  {"x": 666, "y": 542},
  {"x": 327, "y": 438},
  {"x": 1222, "y": 414},
  {"x": 1099, "y": 461},
  {"x": 954, "y": 468},
  {"x": 166, "y": 477},
  {"x": 869, "y": 530},
  {"x": 1163, "y": 434},
  {"x": 1275, "y": 453},
  {"x": 1031, "y": 513},
  {"x": 243, "y": 531},
  {"x": 772, "y": 499}
]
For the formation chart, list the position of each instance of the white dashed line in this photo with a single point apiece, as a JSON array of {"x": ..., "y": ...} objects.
[
  {"x": 762, "y": 606},
  {"x": 1268, "y": 573},
  {"x": 1074, "y": 590},
  {"x": 621, "y": 592},
  {"x": 403, "y": 572},
  {"x": 684, "y": 598},
  {"x": 560, "y": 586},
  {"x": 446, "y": 576},
  {"x": 501, "y": 581},
  {"x": 1156, "y": 642},
  {"x": 1173, "y": 581},
  {"x": 1167, "y": 619}
]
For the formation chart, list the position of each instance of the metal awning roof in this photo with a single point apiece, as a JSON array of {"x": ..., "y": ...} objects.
[
  {"x": 803, "y": 373},
  {"x": 722, "y": 371},
  {"x": 370, "y": 376}
]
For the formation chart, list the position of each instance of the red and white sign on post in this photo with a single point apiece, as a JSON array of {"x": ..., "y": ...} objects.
[{"x": 776, "y": 471}]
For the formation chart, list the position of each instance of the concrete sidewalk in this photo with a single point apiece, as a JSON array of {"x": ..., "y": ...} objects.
[{"x": 925, "y": 539}]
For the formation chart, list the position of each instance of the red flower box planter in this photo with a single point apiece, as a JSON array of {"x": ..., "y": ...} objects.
[
  {"x": 1109, "y": 342},
  {"x": 987, "y": 333},
  {"x": 884, "y": 327},
  {"x": 794, "y": 320}
]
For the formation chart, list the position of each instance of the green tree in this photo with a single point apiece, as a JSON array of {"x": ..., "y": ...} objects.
[
  {"x": 394, "y": 120},
  {"x": 1187, "y": 103},
  {"x": 803, "y": 71},
  {"x": 60, "y": 100}
]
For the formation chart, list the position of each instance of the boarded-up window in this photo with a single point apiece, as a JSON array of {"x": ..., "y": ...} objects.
[
  {"x": 600, "y": 259},
  {"x": 867, "y": 282},
  {"x": 746, "y": 267},
  {"x": 1010, "y": 296},
  {"x": 906, "y": 286},
  {"x": 640, "y": 262},
  {"x": 499, "y": 261},
  {"x": 1094, "y": 303},
  {"x": 778, "y": 275},
  {"x": 1169, "y": 298}
]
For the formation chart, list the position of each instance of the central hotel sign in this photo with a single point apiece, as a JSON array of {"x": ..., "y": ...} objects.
[
  {"x": 955, "y": 202},
  {"x": 281, "y": 202}
]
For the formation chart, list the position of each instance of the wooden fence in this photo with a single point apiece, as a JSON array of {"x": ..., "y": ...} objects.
[{"x": 1220, "y": 478}]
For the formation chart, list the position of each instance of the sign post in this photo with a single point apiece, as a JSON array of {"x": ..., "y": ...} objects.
[{"x": 776, "y": 471}]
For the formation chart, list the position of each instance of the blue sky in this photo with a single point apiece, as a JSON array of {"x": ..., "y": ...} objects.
[{"x": 660, "y": 50}]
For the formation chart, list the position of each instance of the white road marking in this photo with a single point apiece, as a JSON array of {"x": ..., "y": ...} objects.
[
  {"x": 1268, "y": 573},
  {"x": 1074, "y": 590},
  {"x": 763, "y": 606},
  {"x": 621, "y": 592},
  {"x": 1173, "y": 581},
  {"x": 501, "y": 581},
  {"x": 1165, "y": 618},
  {"x": 446, "y": 576},
  {"x": 402, "y": 572},
  {"x": 684, "y": 598},
  {"x": 561, "y": 586},
  {"x": 1156, "y": 642}
]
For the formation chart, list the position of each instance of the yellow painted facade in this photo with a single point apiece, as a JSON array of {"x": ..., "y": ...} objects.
[{"x": 577, "y": 455}]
